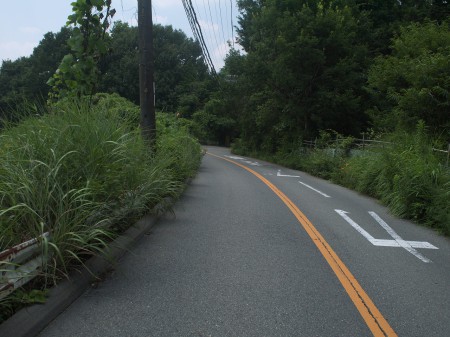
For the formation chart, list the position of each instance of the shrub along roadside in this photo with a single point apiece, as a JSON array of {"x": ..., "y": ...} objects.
[
  {"x": 84, "y": 174},
  {"x": 408, "y": 176}
]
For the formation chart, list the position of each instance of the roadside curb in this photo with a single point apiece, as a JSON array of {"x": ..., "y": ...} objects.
[{"x": 30, "y": 321}]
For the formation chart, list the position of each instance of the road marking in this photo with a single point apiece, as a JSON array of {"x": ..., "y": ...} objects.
[
  {"x": 397, "y": 242},
  {"x": 321, "y": 193},
  {"x": 404, "y": 244},
  {"x": 367, "y": 309},
  {"x": 253, "y": 163},
  {"x": 285, "y": 175}
]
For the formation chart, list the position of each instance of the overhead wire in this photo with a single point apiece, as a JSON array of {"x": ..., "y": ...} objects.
[
  {"x": 232, "y": 22},
  {"x": 212, "y": 25},
  {"x": 197, "y": 31},
  {"x": 209, "y": 36},
  {"x": 224, "y": 40},
  {"x": 213, "y": 40},
  {"x": 209, "y": 28}
]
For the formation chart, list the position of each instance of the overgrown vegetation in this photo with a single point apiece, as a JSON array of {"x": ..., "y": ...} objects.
[
  {"x": 355, "y": 67},
  {"x": 403, "y": 171},
  {"x": 308, "y": 67},
  {"x": 348, "y": 66},
  {"x": 83, "y": 173},
  {"x": 78, "y": 73},
  {"x": 407, "y": 176},
  {"x": 75, "y": 166},
  {"x": 183, "y": 84}
]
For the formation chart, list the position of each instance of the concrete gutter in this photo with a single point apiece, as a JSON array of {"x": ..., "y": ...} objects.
[{"x": 30, "y": 321}]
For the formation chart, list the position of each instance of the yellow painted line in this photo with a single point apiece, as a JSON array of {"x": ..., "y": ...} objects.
[{"x": 369, "y": 312}]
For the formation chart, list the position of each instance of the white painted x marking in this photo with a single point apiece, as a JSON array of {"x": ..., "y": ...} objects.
[{"x": 397, "y": 242}]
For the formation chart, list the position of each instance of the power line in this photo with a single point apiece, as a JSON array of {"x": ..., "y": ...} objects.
[
  {"x": 212, "y": 23},
  {"x": 221, "y": 21},
  {"x": 222, "y": 47},
  {"x": 232, "y": 23},
  {"x": 209, "y": 25},
  {"x": 218, "y": 42},
  {"x": 197, "y": 31}
]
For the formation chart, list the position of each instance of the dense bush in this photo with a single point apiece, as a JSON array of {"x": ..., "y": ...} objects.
[
  {"x": 83, "y": 172},
  {"x": 407, "y": 176},
  {"x": 180, "y": 152}
]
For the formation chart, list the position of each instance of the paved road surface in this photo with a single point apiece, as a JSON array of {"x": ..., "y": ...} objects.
[{"x": 235, "y": 260}]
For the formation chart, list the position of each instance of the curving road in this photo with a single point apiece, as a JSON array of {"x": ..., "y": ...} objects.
[{"x": 255, "y": 249}]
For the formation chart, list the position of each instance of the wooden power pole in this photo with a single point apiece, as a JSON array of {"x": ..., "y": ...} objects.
[{"x": 146, "y": 63}]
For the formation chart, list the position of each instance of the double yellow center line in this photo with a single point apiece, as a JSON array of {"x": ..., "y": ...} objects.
[{"x": 369, "y": 312}]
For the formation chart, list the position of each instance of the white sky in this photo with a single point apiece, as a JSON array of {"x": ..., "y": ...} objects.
[{"x": 23, "y": 23}]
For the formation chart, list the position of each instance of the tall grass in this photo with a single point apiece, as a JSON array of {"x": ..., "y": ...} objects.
[
  {"x": 179, "y": 152},
  {"x": 407, "y": 176},
  {"x": 83, "y": 173}
]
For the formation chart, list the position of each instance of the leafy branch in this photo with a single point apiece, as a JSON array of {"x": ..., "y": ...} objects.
[{"x": 78, "y": 73}]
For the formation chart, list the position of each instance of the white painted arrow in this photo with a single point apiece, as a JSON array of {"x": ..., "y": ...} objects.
[
  {"x": 285, "y": 175},
  {"x": 234, "y": 157},
  {"x": 254, "y": 163},
  {"x": 397, "y": 242}
]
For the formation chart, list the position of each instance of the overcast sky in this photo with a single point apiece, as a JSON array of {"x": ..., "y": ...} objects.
[{"x": 23, "y": 23}]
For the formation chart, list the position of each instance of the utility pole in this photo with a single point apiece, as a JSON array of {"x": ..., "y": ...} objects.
[{"x": 146, "y": 93}]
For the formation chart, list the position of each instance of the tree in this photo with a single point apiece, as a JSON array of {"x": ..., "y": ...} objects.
[
  {"x": 78, "y": 73},
  {"x": 303, "y": 70},
  {"x": 182, "y": 81},
  {"x": 181, "y": 78},
  {"x": 413, "y": 83},
  {"x": 120, "y": 67},
  {"x": 25, "y": 78},
  {"x": 180, "y": 72},
  {"x": 306, "y": 65},
  {"x": 383, "y": 19}
]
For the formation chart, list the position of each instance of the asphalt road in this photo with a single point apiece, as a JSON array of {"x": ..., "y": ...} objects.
[{"x": 301, "y": 258}]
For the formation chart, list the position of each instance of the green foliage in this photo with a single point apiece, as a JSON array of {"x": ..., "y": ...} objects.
[
  {"x": 78, "y": 73},
  {"x": 19, "y": 299},
  {"x": 415, "y": 79},
  {"x": 321, "y": 163},
  {"x": 181, "y": 78},
  {"x": 83, "y": 172},
  {"x": 120, "y": 106},
  {"x": 78, "y": 171},
  {"x": 214, "y": 122},
  {"x": 303, "y": 71},
  {"x": 307, "y": 62},
  {"x": 182, "y": 81},
  {"x": 180, "y": 153},
  {"x": 24, "y": 80},
  {"x": 407, "y": 176},
  {"x": 382, "y": 19},
  {"x": 120, "y": 66}
]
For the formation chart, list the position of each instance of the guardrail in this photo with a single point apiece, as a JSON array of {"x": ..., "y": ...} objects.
[
  {"x": 20, "y": 264},
  {"x": 443, "y": 151},
  {"x": 356, "y": 142},
  {"x": 366, "y": 143}
]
